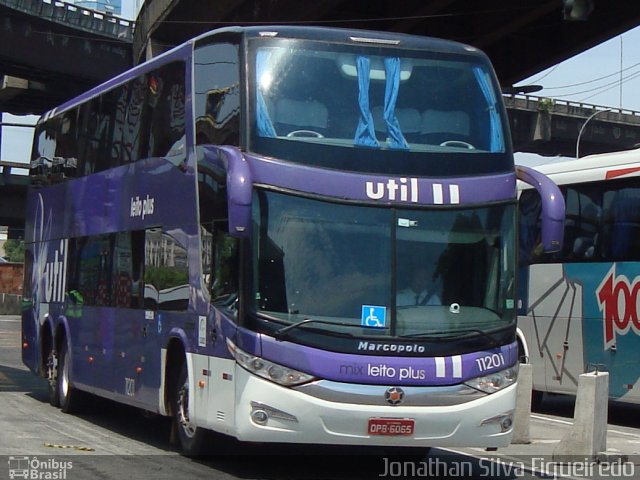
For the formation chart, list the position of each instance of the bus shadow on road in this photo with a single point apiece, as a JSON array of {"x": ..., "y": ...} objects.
[
  {"x": 619, "y": 413},
  {"x": 313, "y": 462},
  {"x": 317, "y": 462},
  {"x": 18, "y": 380}
]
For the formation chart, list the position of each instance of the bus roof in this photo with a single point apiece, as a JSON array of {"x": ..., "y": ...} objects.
[
  {"x": 592, "y": 168},
  {"x": 330, "y": 34},
  {"x": 346, "y": 35}
]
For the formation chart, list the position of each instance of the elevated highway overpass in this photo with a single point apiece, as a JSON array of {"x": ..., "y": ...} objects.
[
  {"x": 12, "y": 197},
  {"x": 521, "y": 38},
  {"x": 51, "y": 51}
]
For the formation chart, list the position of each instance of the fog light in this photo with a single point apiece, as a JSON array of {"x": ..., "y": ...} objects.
[
  {"x": 260, "y": 417},
  {"x": 261, "y": 413},
  {"x": 506, "y": 424},
  {"x": 504, "y": 421}
]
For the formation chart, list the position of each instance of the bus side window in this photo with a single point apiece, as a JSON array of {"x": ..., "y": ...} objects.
[
  {"x": 127, "y": 107},
  {"x": 224, "y": 284},
  {"x": 530, "y": 207},
  {"x": 218, "y": 248},
  {"x": 623, "y": 224},
  {"x": 127, "y": 269},
  {"x": 89, "y": 271},
  {"x": 67, "y": 144},
  {"x": 582, "y": 222},
  {"x": 167, "y": 111},
  {"x": 94, "y": 140},
  {"x": 217, "y": 94},
  {"x": 586, "y": 239},
  {"x": 166, "y": 273}
]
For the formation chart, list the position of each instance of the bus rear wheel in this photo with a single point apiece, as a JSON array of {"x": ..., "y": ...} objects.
[
  {"x": 69, "y": 397},
  {"x": 52, "y": 378},
  {"x": 192, "y": 438}
]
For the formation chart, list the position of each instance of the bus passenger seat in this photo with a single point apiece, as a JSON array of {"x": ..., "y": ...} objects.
[
  {"x": 625, "y": 228},
  {"x": 439, "y": 126},
  {"x": 408, "y": 118},
  {"x": 291, "y": 115},
  {"x": 583, "y": 247}
]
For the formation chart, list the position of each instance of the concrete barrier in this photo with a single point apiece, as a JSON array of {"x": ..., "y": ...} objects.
[
  {"x": 10, "y": 304},
  {"x": 522, "y": 414},
  {"x": 587, "y": 439}
]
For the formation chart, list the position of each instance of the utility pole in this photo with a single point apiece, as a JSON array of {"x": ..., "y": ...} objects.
[{"x": 584, "y": 125}]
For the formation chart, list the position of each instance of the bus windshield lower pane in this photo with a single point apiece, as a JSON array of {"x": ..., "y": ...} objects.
[{"x": 383, "y": 272}]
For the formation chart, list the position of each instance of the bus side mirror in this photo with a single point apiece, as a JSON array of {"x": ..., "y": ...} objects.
[
  {"x": 239, "y": 189},
  {"x": 553, "y": 207}
]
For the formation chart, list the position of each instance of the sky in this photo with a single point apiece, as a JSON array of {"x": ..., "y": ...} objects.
[{"x": 607, "y": 75}]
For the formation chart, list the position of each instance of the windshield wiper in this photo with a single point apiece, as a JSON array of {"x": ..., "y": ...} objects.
[
  {"x": 453, "y": 334},
  {"x": 281, "y": 333}
]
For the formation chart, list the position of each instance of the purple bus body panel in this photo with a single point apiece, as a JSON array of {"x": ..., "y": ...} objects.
[
  {"x": 372, "y": 369},
  {"x": 354, "y": 186},
  {"x": 244, "y": 171},
  {"x": 104, "y": 354},
  {"x": 103, "y": 202},
  {"x": 109, "y": 344}
]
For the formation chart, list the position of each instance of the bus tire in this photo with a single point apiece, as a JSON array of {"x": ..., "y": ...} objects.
[
  {"x": 69, "y": 396},
  {"x": 536, "y": 399},
  {"x": 52, "y": 378},
  {"x": 536, "y": 395},
  {"x": 192, "y": 439}
]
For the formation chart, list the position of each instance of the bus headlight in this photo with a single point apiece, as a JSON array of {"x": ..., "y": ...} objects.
[
  {"x": 274, "y": 372},
  {"x": 495, "y": 381}
]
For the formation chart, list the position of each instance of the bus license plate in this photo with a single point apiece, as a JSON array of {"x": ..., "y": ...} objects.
[{"x": 391, "y": 426}]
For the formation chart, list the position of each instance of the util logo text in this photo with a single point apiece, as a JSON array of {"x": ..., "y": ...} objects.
[
  {"x": 618, "y": 301},
  {"x": 55, "y": 274},
  {"x": 407, "y": 190}
]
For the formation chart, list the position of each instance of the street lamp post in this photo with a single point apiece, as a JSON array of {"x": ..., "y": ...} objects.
[{"x": 584, "y": 125}]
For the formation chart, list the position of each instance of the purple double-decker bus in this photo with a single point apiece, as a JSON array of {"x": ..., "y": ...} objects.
[{"x": 284, "y": 234}]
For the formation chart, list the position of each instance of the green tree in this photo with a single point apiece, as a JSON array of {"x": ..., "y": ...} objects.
[
  {"x": 165, "y": 277},
  {"x": 14, "y": 250}
]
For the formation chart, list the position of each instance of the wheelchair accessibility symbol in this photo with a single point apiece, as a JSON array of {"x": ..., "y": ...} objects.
[{"x": 373, "y": 316}]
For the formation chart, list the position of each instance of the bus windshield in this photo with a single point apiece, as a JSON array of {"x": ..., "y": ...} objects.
[
  {"x": 371, "y": 108},
  {"x": 379, "y": 271}
]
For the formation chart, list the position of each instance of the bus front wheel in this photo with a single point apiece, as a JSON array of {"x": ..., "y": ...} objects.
[{"x": 191, "y": 437}]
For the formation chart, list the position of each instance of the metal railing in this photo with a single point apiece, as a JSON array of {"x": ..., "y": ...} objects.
[
  {"x": 6, "y": 169},
  {"x": 566, "y": 107},
  {"x": 5, "y": 163},
  {"x": 76, "y": 17}
]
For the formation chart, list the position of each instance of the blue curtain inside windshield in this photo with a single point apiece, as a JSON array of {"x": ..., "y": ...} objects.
[
  {"x": 497, "y": 142},
  {"x": 365, "y": 133},
  {"x": 265, "y": 126},
  {"x": 392, "y": 69}
]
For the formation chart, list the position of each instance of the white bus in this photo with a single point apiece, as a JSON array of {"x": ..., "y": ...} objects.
[{"x": 578, "y": 308}]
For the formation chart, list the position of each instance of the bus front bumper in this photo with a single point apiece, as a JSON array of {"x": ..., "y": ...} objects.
[{"x": 267, "y": 412}]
